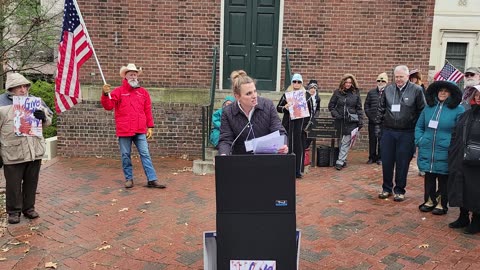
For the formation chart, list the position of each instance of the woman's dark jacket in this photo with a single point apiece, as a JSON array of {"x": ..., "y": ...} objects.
[
  {"x": 464, "y": 180},
  {"x": 371, "y": 104},
  {"x": 264, "y": 121},
  {"x": 338, "y": 106}
]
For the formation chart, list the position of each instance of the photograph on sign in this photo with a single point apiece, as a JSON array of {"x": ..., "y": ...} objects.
[
  {"x": 252, "y": 265},
  {"x": 298, "y": 104}
]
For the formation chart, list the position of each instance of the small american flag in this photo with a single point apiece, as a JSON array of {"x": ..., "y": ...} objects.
[
  {"x": 448, "y": 73},
  {"x": 73, "y": 50}
]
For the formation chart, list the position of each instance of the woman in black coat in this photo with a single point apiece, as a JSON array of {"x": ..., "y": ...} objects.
[
  {"x": 344, "y": 101},
  {"x": 463, "y": 181}
]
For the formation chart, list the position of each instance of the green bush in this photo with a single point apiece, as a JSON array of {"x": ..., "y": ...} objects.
[{"x": 46, "y": 91}]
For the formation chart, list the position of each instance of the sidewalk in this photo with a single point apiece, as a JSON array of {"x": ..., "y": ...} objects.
[{"x": 89, "y": 221}]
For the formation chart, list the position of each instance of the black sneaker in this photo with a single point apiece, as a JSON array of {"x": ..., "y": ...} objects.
[
  {"x": 155, "y": 184},
  {"x": 384, "y": 195}
]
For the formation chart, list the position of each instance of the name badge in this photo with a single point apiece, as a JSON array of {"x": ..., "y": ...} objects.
[
  {"x": 433, "y": 124},
  {"x": 395, "y": 107},
  {"x": 249, "y": 146}
]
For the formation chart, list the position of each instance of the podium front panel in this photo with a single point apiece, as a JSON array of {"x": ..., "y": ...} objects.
[
  {"x": 257, "y": 237},
  {"x": 255, "y": 183}
]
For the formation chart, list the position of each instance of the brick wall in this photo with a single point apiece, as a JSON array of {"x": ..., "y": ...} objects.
[
  {"x": 88, "y": 130},
  {"x": 173, "y": 39}
]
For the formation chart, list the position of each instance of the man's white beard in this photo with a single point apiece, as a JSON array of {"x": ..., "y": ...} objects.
[
  {"x": 134, "y": 83},
  {"x": 471, "y": 82}
]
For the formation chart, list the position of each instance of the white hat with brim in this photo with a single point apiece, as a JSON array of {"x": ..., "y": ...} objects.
[
  {"x": 129, "y": 67},
  {"x": 16, "y": 79}
]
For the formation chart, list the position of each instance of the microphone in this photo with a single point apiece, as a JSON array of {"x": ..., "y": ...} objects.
[{"x": 238, "y": 136}]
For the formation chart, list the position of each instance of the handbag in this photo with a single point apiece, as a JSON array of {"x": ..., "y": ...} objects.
[
  {"x": 471, "y": 150},
  {"x": 351, "y": 117}
]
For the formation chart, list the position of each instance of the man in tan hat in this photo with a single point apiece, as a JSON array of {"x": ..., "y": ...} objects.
[
  {"x": 371, "y": 107},
  {"x": 134, "y": 122},
  {"x": 20, "y": 155}
]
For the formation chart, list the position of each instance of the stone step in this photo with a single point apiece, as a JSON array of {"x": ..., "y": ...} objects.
[
  {"x": 210, "y": 153},
  {"x": 202, "y": 167}
]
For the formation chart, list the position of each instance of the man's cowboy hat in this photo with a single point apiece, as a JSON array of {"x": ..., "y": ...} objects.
[{"x": 129, "y": 67}]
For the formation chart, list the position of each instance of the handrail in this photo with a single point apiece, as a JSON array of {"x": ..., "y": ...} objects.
[
  {"x": 208, "y": 109},
  {"x": 288, "y": 70}
]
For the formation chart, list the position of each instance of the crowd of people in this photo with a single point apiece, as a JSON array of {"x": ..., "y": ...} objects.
[{"x": 441, "y": 121}]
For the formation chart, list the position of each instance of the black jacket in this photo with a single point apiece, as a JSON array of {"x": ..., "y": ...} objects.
[
  {"x": 371, "y": 104},
  {"x": 463, "y": 185},
  {"x": 412, "y": 102},
  {"x": 235, "y": 125},
  {"x": 338, "y": 106}
]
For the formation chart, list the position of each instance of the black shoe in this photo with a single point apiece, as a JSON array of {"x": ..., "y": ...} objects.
[
  {"x": 155, "y": 184},
  {"x": 474, "y": 226},
  {"x": 461, "y": 222},
  {"x": 31, "y": 214},
  {"x": 338, "y": 167},
  {"x": 344, "y": 164},
  {"x": 14, "y": 218},
  {"x": 379, "y": 162},
  {"x": 384, "y": 195},
  {"x": 425, "y": 208},
  {"x": 439, "y": 211},
  {"x": 370, "y": 161},
  {"x": 299, "y": 176}
]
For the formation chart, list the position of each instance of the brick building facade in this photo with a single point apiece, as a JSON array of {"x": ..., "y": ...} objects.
[{"x": 172, "y": 40}]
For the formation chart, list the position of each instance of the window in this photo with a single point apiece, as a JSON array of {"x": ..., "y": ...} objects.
[{"x": 456, "y": 54}]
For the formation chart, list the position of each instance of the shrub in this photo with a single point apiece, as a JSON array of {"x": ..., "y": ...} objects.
[{"x": 46, "y": 91}]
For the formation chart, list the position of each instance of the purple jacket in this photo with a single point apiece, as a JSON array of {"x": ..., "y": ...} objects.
[{"x": 235, "y": 126}]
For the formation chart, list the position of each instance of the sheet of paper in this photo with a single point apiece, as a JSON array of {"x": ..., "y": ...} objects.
[
  {"x": 353, "y": 137},
  {"x": 268, "y": 144}
]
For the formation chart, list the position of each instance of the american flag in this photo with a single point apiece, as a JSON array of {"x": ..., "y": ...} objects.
[
  {"x": 73, "y": 50},
  {"x": 448, "y": 73}
]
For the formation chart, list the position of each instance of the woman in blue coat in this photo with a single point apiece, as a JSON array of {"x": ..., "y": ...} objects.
[
  {"x": 433, "y": 133},
  {"x": 217, "y": 120}
]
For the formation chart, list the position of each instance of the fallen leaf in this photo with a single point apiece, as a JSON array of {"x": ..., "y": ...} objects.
[
  {"x": 26, "y": 250},
  {"x": 174, "y": 173},
  {"x": 186, "y": 224},
  {"x": 123, "y": 209},
  {"x": 143, "y": 210},
  {"x": 14, "y": 243},
  {"x": 3, "y": 259},
  {"x": 73, "y": 212},
  {"x": 105, "y": 247},
  {"x": 148, "y": 202},
  {"x": 137, "y": 249},
  {"x": 51, "y": 265},
  {"x": 340, "y": 201},
  {"x": 33, "y": 228},
  {"x": 423, "y": 218},
  {"x": 456, "y": 250},
  {"x": 424, "y": 246},
  {"x": 5, "y": 249},
  {"x": 97, "y": 215},
  {"x": 114, "y": 200}
]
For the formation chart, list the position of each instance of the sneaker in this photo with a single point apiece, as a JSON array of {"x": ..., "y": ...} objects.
[
  {"x": 155, "y": 184},
  {"x": 129, "y": 184},
  {"x": 370, "y": 161},
  {"x": 31, "y": 214},
  {"x": 399, "y": 197},
  {"x": 384, "y": 195},
  {"x": 14, "y": 218}
]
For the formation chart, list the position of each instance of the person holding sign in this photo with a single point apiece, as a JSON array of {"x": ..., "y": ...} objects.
[
  {"x": 433, "y": 133},
  {"x": 294, "y": 107},
  {"x": 247, "y": 118},
  {"x": 345, "y": 107},
  {"x": 21, "y": 153},
  {"x": 398, "y": 112}
]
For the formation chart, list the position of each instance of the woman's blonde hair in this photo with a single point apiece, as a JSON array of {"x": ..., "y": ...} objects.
[{"x": 239, "y": 77}]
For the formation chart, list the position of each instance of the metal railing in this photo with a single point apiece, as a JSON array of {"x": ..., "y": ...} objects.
[
  {"x": 207, "y": 110},
  {"x": 288, "y": 70}
]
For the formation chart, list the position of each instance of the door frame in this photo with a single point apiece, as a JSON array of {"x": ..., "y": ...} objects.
[{"x": 279, "y": 45}]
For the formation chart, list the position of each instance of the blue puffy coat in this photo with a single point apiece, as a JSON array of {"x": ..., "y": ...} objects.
[
  {"x": 433, "y": 143},
  {"x": 216, "y": 120}
]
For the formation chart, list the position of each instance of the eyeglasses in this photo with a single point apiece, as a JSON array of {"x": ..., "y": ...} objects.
[
  {"x": 296, "y": 81},
  {"x": 381, "y": 81},
  {"x": 469, "y": 74}
]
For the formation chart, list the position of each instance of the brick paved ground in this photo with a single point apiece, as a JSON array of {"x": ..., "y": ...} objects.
[{"x": 84, "y": 223}]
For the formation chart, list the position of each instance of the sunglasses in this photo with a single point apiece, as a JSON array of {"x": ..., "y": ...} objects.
[
  {"x": 469, "y": 75},
  {"x": 381, "y": 81},
  {"x": 296, "y": 81}
]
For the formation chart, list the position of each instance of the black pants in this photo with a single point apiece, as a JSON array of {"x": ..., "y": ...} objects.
[
  {"x": 431, "y": 188},
  {"x": 373, "y": 144},
  {"x": 21, "y": 185},
  {"x": 296, "y": 143}
]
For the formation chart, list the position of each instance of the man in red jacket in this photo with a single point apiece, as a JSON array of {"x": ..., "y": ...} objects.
[{"x": 133, "y": 121}]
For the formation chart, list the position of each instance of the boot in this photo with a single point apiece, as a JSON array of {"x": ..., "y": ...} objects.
[
  {"x": 462, "y": 221},
  {"x": 474, "y": 227}
]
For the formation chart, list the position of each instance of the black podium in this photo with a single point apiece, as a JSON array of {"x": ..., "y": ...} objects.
[{"x": 256, "y": 218}]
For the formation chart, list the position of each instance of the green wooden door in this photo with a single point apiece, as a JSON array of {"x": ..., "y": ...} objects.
[{"x": 251, "y": 40}]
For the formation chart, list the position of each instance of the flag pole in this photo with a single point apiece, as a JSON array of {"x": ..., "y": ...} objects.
[{"x": 89, "y": 39}]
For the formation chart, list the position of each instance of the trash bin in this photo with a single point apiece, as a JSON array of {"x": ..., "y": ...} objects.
[{"x": 323, "y": 155}]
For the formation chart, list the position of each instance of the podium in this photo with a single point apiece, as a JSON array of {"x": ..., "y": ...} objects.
[{"x": 256, "y": 220}]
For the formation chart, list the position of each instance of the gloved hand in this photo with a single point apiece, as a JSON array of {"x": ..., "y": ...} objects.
[
  {"x": 106, "y": 89},
  {"x": 377, "y": 131},
  {"x": 149, "y": 133},
  {"x": 40, "y": 115}
]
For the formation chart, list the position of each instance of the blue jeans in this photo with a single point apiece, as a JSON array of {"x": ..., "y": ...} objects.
[
  {"x": 397, "y": 152},
  {"x": 140, "y": 141}
]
